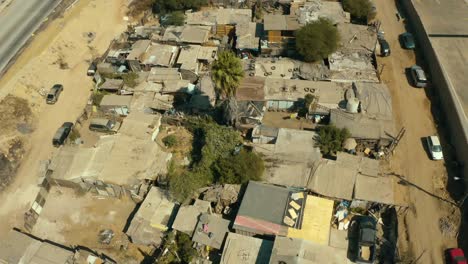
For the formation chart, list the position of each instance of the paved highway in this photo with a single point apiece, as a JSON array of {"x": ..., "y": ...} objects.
[{"x": 17, "y": 23}]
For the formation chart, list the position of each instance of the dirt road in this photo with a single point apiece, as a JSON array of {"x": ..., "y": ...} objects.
[
  {"x": 413, "y": 111},
  {"x": 59, "y": 54}
]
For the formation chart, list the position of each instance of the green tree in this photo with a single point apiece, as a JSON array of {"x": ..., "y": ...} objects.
[
  {"x": 330, "y": 139},
  {"x": 240, "y": 168},
  {"x": 170, "y": 141},
  {"x": 317, "y": 40},
  {"x": 175, "y": 18},
  {"x": 360, "y": 9},
  {"x": 227, "y": 73}
]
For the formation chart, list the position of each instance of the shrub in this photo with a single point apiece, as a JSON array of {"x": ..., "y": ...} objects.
[
  {"x": 330, "y": 139},
  {"x": 175, "y": 18},
  {"x": 359, "y": 9},
  {"x": 239, "y": 169},
  {"x": 170, "y": 141},
  {"x": 166, "y": 6},
  {"x": 317, "y": 40}
]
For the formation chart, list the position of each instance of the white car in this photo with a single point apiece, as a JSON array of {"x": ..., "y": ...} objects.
[{"x": 435, "y": 148}]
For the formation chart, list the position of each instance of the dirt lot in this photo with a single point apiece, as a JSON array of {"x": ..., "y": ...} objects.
[
  {"x": 282, "y": 119},
  {"x": 58, "y": 54},
  {"x": 69, "y": 217},
  {"x": 420, "y": 235}
]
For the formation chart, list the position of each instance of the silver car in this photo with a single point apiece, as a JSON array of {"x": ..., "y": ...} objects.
[
  {"x": 418, "y": 76},
  {"x": 54, "y": 93}
]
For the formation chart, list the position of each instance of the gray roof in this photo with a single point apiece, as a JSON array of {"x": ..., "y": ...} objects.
[
  {"x": 241, "y": 249},
  {"x": 112, "y": 84},
  {"x": 116, "y": 100},
  {"x": 353, "y": 177},
  {"x": 138, "y": 49},
  {"x": 163, "y": 74},
  {"x": 294, "y": 151},
  {"x": 376, "y": 100},
  {"x": 152, "y": 218},
  {"x": 299, "y": 251},
  {"x": 160, "y": 55},
  {"x": 216, "y": 227},
  {"x": 187, "y": 34},
  {"x": 362, "y": 127},
  {"x": 188, "y": 215},
  {"x": 264, "y": 202},
  {"x": 281, "y": 22}
]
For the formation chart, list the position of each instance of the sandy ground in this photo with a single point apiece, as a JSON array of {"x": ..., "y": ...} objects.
[
  {"x": 64, "y": 40},
  {"x": 422, "y": 237},
  {"x": 74, "y": 218}
]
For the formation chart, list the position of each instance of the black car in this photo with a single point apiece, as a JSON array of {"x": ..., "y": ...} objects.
[
  {"x": 62, "y": 134},
  {"x": 384, "y": 48},
  {"x": 367, "y": 228}
]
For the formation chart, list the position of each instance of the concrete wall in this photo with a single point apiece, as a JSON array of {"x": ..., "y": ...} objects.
[{"x": 452, "y": 113}]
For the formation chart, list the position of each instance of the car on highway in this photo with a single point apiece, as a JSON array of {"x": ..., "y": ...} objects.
[
  {"x": 418, "y": 76},
  {"x": 54, "y": 93},
  {"x": 104, "y": 125},
  {"x": 407, "y": 41},
  {"x": 62, "y": 134},
  {"x": 434, "y": 147},
  {"x": 367, "y": 240},
  {"x": 384, "y": 48},
  {"x": 456, "y": 256}
]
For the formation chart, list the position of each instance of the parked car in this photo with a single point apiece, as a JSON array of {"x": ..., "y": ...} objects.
[
  {"x": 92, "y": 69},
  {"x": 367, "y": 227},
  {"x": 407, "y": 40},
  {"x": 104, "y": 125},
  {"x": 384, "y": 48},
  {"x": 62, "y": 134},
  {"x": 418, "y": 77},
  {"x": 456, "y": 256},
  {"x": 434, "y": 147},
  {"x": 54, "y": 93}
]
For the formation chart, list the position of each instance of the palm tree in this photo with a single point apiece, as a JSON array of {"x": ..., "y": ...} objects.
[{"x": 227, "y": 73}]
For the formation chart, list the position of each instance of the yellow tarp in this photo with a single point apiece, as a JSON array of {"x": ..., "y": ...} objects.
[{"x": 316, "y": 221}]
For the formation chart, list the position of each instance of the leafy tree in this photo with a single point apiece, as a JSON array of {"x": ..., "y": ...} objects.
[
  {"x": 227, "y": 73},
  {"x": 317, "y": 40},
  {"x": 175, "y": 18},
  {"x": 360, "y": 9},
  {"x": 330, "y": 139},
  {"x": 211, "y": 142},
  {"x": 240, "y": 168}
]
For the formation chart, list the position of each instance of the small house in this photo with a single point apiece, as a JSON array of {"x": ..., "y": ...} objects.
[
  {"x": 115, "y": 104},
  {"x": 152, "y": 219},
  {"x": 187, "y": 34},
  {"x": 241, "y": 249},
  {"x": 211, "y": 230},
  {"x": 112, "y": 85}
]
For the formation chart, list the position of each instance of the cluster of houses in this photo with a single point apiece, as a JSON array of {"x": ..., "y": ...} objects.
[{"x": 301, "y": 212}]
